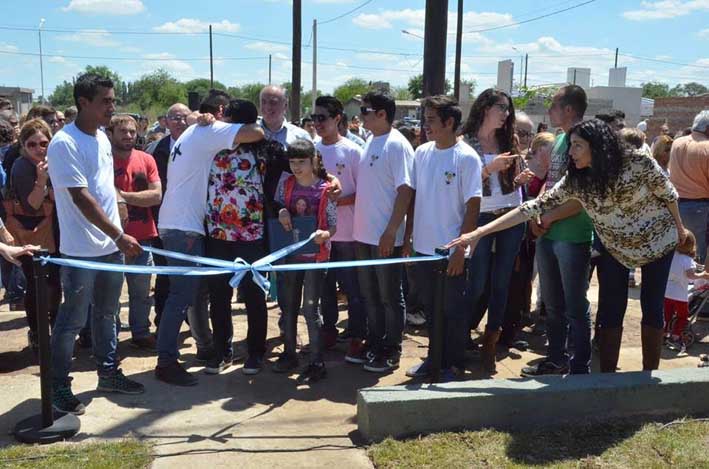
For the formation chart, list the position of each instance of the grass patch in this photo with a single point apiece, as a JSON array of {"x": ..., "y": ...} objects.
[
  {"x": 124, "y": 454},
  {"x": 612, "y": 445}
]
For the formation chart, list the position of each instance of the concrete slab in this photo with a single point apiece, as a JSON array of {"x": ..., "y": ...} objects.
[{"x": 400, "y": 411}]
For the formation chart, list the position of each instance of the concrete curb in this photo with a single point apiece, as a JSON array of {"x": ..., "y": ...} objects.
[{"x": 519, "y": 404}]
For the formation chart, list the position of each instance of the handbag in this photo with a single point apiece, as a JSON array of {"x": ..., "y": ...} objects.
[{"x": 42, "y": 234}]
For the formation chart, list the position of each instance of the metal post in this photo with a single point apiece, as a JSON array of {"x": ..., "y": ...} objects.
[
  {"x": 434, "y": 48},
  {"x": 458, "y": 51},
  {"x": 51, "y": 426},
  {"x": 436, "y": 334},
  {"x": 526, "y": 64},
  {"x": 315, "y": 64},
  {"x": 211, "y": 60},
  {"x": 295, "y": 73},
  {"x": 269, "y": 69},
  {"x": 616, "y": 58},
  {"x": 41, "y": 60}
]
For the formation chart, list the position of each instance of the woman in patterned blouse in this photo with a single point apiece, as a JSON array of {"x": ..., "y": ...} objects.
[{"x": 634, "y": 209}]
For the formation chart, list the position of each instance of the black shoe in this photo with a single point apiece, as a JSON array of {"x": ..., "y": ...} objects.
[
  {"x": 85, "y": 341},
  {"x": 33, "y": 341},
  {"x": 381, "y": 364},
  {"x": 253, "y": 365},
  {"x": 117, "y": 382},
  {"x": 204, "y": 355},
  {"x": 217, "y": 365},
  {"x": 545, "y": 367},
  {"x": 64, "y": 400},
  {"x": 344, "y": 336},
  {"x": 314, "y": 372},
  {"x": 175, "y": 374},
  {"x": 285, "y": 363}
]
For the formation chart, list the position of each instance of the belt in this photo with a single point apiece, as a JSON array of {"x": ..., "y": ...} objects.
[{"x": 501, "y": 211}]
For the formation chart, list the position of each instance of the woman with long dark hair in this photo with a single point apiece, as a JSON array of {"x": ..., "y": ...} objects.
[
  {"x": 634, "y": 209},
  {"x": 490, "y": 131}
]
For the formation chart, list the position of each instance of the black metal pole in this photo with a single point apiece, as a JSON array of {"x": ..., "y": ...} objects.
[
  {"x": 51, "y": 426},
  {"x": 436, "y": 334},
  {"x": 211, "y": 60},
  {"x": 295, "y": 73},
  {"x": 458, "y": 51},
  {"x": 526, "y": 64},
  {"x": 434, "y": 47},
  {"x": 616, "y": 58}
]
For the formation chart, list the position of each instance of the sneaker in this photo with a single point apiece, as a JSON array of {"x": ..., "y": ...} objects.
[
  {"x": 314, "y": 372},
  {"x": 417, "y": 318},
  {"x": 253, "y": 365},
  {"x": 175, "y": 374},
  {"x": 674, "y": 343},
  {"x": 148, "y": 343},
  {"x": 358, "y": 352},
  {"x": 421, "y": 370},
  {"x": 64, "y": 400},
  {"x": 344, "y": 336},
  {"x": 545, "y": 367},
  {"x": 381, "y": 363},
  {"x": 117, "y": 382},
  {"x": 216, "y": 365},
  {"x": 285, "y": 363},
  {"x": 329, "y": 338},
  {"x": 33, "y": 341},
  {"x": 204, "y": 355}
]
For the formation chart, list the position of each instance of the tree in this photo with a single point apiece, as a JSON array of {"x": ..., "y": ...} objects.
[
  {"x": 351, "y": 88},
  {"x": 689, "y": 89},
  {"x": 249, "y": 91},
  {"x": 655, "y": 89},
  {"x": 415, "y": 86},
  {"x": 202, "y": 86},
  {"x": 401, "y": 93},
  {"x": 119, "y": 86},
  {"x": 155, "y": 92},
  {"x": 63, "y": 95},
  {"x": 472, "y": 84}
]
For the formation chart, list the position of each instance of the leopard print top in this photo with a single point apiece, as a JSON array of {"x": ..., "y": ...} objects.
[{"x": 632, "y": 220}]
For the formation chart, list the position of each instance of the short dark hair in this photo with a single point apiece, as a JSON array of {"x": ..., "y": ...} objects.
[
  {"x": 381, "y": 100},
  {"x": 214, "y": 99},
  {"x": 300, "y": 148},
  {"x": 7, "y": 132},
  {"x": 618, "y": 114},
  {"x": 41, "y": 110},
  {"x": 574, "y": 96},
  {"x": 446, "y": 107},
  {"x": 331, "y": 103},
  {"x": 607, "y": 118},
  {"x": 304, "y": 121},
  {"x": 87, "y": 86},
  {"x": 241, "y": 111}
]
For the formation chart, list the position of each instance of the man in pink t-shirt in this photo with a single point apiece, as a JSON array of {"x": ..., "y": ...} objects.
[{"x": 138, "y": 189}]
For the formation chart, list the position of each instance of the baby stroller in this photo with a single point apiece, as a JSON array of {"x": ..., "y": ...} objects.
[{"x": 698, "y": 297}]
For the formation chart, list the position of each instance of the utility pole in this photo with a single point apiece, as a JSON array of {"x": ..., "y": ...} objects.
[
  {"x": 295, "y": 74},
  {"x": 526, "y": 64},
  {"x": 41, "y": 60},
  {"x": 458, "y": 51},
  {"x": 269, "y": 69},
  {"x": 616, "y": 57},
  {"x": 434, "y": 49},
  {"x": 211, "y": 60},
  {"x": 315, "y": 64}
]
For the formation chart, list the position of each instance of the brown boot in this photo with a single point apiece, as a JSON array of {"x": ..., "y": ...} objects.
[
  {"x": 651, "y": 339},
  {"x": 609, "y": 348},
  {"x": 488, "y": 350}
]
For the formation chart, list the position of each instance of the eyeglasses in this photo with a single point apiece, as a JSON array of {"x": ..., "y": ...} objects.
[
  {"x": 502, "y": 106},
  {"x": 524, "y": 133},
  {"x": 177, "y": 118},
  {"x": 35, "y": 144},
  {"x": 319, "y": 118},
  {"x": 364, "y": 110}
]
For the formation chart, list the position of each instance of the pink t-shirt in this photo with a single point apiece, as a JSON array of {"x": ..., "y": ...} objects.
[{"x": 342, "y": 160}]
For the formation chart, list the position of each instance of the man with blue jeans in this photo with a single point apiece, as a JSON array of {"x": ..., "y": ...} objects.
[
  {"x": 181, "y": 224},
  {"x": 81, "y": 171},
  {"x": 563, "y": 257}
]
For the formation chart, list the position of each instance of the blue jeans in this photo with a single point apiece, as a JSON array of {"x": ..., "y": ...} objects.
[
  {"x": 357, "y": 320},
  {"x": 496, "y": 267},
  {"x": 13, "y": 281},
  {"x": 139, "y": 301},
  {"x": 83, "y": 287},
  {"x": 695, "y": 214},
  {"x": 563, "y": 275},
  {"x": 383, "y": 301},
  {"x": 305, "y": 285},
  {"x": 455, "y": 312},
  {"x": 186, "y": 292},
  {"x": 613, "y": 291}
]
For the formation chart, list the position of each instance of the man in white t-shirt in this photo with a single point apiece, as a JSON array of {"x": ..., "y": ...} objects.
[
  {"x": 341, "y": 157},
  {"x": 181, "y": 222},
  {"x": 81, "y": 171},
  {"x": 384, "y": 192},
  {"x": 448, "y": 184}
]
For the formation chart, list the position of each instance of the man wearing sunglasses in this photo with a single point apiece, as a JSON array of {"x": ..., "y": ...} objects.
[{"x": 384, "y": 193}]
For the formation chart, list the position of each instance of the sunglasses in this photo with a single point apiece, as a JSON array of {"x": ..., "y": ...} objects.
[
  {"x": 502, "y": 107},
  {"x": 35, "y": 144},
  {"x": 319, "y": 118},
  {"x": 364, "y": 110}
]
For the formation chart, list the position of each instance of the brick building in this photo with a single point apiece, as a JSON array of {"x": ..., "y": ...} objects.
[{"x": 678, "y": 113}]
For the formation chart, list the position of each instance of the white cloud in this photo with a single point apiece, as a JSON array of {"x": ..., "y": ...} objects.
[
  {"x": 417, "y": 19},
  {"x": 57, "y": 59},
  {"x": 94, "y": 37},
  {"x": 703, "y": 33},
  {"x": 106, "y": 7},
  {"x": 665, "y": 9},
  {"x": 191, "y": 25},
  {"x": 267, "y": 47},
  {"x": 168, "y": 62},
  {"x": 5, "y": 47}
]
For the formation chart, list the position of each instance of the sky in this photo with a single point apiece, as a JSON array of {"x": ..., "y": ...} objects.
[{"x": 658, "y": 40}]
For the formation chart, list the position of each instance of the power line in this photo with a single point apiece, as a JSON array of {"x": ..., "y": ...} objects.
[
  {"x": 536, "y": 18},
  {"x": 346, "y": 13},
  {"x": 664, "y": 61},
  {"x": 130, "y": 59}
]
